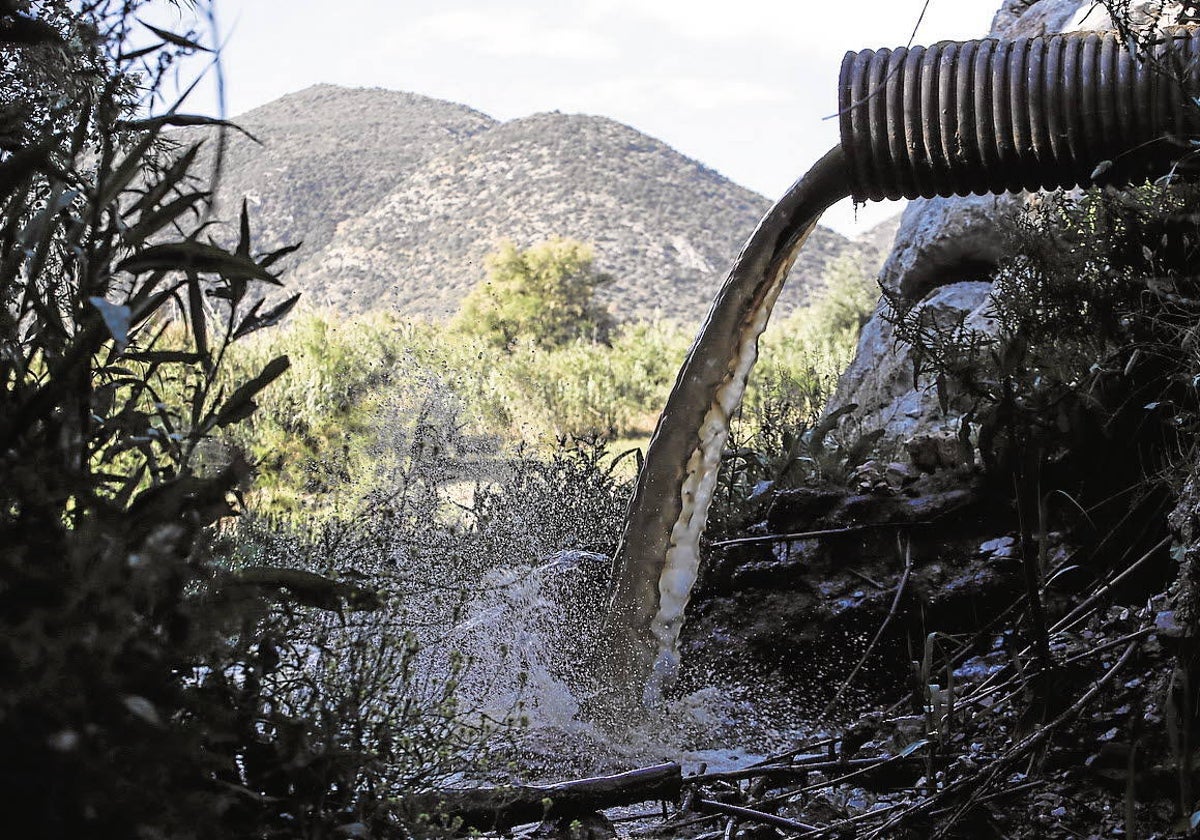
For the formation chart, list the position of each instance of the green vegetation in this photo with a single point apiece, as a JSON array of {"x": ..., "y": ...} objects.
[
  {"x": 367, "y": 394},
  {"x": 1083, "y": 410},
  {"x": 544, "y": 295},
  {"x": 110, "y": 602},
  {"x": 164, "y": 673}
]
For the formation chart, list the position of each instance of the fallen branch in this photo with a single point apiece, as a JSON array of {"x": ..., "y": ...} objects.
[
  {"x": 502, "y": 808},
  {"x": 809, "y": 535},
  {"x": 751, "y": 815},
  {"x": 1030, "y": 742},
  {"x": 838, "y": 828},
  {"x": 1070, "y": 618},
  {"x": 776, "y": 772}
]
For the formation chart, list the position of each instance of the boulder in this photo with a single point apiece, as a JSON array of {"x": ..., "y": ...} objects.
[{"x": 944, "y": 253}]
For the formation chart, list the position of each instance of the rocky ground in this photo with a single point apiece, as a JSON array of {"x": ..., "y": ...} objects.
[{"x": 889, "y": 624}]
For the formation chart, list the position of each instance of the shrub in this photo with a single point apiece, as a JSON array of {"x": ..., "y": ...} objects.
[
  {"x": 1093, "y": 312},
  {"x": 108, "y": 598},
  {"x": 543, "y": 294},
  {"x": 146, "y": 687}
]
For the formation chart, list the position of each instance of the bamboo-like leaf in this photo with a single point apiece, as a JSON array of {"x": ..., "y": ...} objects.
[
  {"x": 124, "y": 173},
  {"x": 136, "y": 54},
  {"x": 173, "y": 38},
  {"x": 38, "y": 236},
  {"x": 171, "y": 176},
  {"x": 165, "y": 357},
  {"x": 240, "y": 404},
  {"x": 129, "y": 486},
  {"x": 39, "y": 227},
  {"x": 198, "y": 318},
  {"x": 144, "y": 307},
  {"x": 151, "y": 223},
  {"x": 116, "y": 318},
  {"x": 275, "y": 256},
  {"x": 243, "y": 246},
  {"x": 181, "y": 121},
  {"x": 198, "y": 257},
  {"x": 253, "y": 321}
]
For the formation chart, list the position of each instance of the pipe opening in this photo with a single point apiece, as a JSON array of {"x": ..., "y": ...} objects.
[{"x": 994, "y": 116}]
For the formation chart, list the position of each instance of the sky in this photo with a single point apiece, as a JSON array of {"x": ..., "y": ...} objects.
[{"x": 743, "y": 86}]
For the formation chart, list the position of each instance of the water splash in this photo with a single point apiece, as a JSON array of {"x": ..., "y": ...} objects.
[
  {"x": 463, "y": 534},
  {"x": 529, "y": 632}
]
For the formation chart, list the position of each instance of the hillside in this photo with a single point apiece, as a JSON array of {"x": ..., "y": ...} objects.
[
  {"x": 328, "y": 153},
  {"x": 399, "y": 197},
  {"x": 875, "y": 243}
]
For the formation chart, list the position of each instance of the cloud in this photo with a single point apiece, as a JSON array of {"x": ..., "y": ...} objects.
[
  {"x": 708, "y": 20},
  {"x": 794, "y": 24},
  {"x": 514, "y": 34},
  {"x": 680, "y": 93}
]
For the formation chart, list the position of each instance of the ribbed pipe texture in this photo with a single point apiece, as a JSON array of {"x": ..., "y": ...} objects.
[{"x": 995, "y": 116}]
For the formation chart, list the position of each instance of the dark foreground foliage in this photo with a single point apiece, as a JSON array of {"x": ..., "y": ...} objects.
[
  {"x": 124, "y": 706},
  {"x": 147, "y": 688}
]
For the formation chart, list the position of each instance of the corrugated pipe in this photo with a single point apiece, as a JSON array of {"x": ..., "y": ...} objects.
[
  {"x": 994, "y": 116},
  {"x": 953, "y": 119}
]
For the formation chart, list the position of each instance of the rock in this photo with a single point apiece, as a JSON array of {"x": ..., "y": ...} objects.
[
  {"x": 831, "y": 511},
  {"x": 1033, "y": 17},
  {"x": 930, "y": 453},
  {"x": 785, "y": 572},
  {"x": 869, "y": 477},
  {"x": 880, "y": 379},
  {"x": 1001, "y": 548},
  {"x": 877, "y": 477},
  {"x": 899, "y": 475},
  {"x": 1166, "y": 624},
  {"x": 860, "y": 732},
  {"x": 793, "y": 509},
  {"x": 945, "y": 241},
  {"x": 945, "y": 251},
  {"x": 936, "y": 505}
]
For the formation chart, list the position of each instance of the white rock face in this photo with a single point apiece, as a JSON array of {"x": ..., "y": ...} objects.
[{"x": 941, "y": 259}]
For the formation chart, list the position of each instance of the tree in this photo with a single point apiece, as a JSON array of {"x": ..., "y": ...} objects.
[{"x": 544, "y": 294}]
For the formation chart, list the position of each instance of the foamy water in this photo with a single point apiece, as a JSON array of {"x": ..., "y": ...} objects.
[{"x": 527, "y": 635}]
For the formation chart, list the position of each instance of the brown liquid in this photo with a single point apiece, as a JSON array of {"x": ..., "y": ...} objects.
[{"x": 658, "y": 558}]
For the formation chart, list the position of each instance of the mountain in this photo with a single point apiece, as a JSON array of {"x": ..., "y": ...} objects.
[
  {"x": 327, "y": 153},
  {"x": 400, "y": 197},
  {"x": 875, "y": 243}
]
